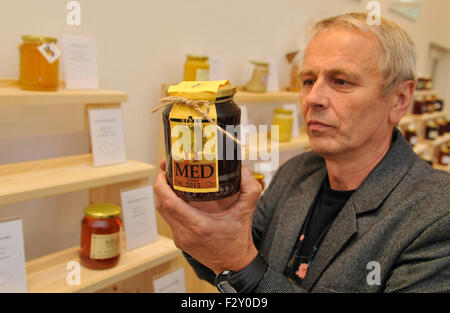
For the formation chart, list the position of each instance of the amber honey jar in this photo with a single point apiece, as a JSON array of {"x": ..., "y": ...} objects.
[
  {"x": 431, "y": 131},
  {"x": 196, "y": 67},
  {"x": 444, "y": 154},
  {"x": 411, "y": 134},
  {"x": 39, "y": 63},
  {"x": 442, "y": 126},
  {"x": 100, "y": 236},
  {"x": 203, "y": 164},
  {"x": 284, "y": 119}
]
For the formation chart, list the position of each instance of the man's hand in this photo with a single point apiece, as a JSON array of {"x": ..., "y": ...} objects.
[{"x": 218, "y": 234}]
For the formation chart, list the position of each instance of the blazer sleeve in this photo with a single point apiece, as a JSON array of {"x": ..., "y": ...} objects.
[{"x": 425, "y": 265}]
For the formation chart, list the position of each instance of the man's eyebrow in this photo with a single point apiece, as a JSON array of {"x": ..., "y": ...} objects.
[{"x": 340, "y": 71}]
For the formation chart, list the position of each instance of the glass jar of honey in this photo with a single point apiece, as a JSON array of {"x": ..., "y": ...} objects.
[
  {"x": 39, "y": 63},
  {"x": 411, "y": 134},
  {"x": 203, "y": 164},
  {"x": 100, "y": 236},
  {"x": 431, "y": 131},
  {"x": 258, "y": 81},
  {"x": 420, "y": 105},
  {"x": 284, "y": 119},
  {"x": 444, "y": 154},
  {"x": 196, "y": 68},
  {"x": 442, "y": 126}
]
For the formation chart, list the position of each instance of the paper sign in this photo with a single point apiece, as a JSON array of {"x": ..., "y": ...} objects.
[
  {"x": 139, "y": 217},
  {"x": 216, "y": 68},
  {"x": 295, "y": 124},
  {"x": 80, "y": 61},
  {"x": 12, "y": 257},
  {"x": 173, "y": 282},
  {"x": 107, "y": 136}
]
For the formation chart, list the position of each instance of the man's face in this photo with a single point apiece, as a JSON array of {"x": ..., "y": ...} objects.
[{"x": 342, "y": 101}]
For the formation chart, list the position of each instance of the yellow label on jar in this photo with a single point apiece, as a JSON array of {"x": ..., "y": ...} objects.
[
  {"x": 105, "y": 246},
  {"x": 194, "y": 150}
]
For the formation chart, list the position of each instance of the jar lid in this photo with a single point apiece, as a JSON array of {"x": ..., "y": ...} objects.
[
  {"x": 283, "y": 111},
  {"x": 102, "y": 210},
  {"x": 197, "y": 57},
  {"x": 446, "y": 148},
  {"x": 39, "y": 38},
  {"x": 412, "y": 127},
  {"x": 258, "y": 176},
  {"x": 261, "y": 63},
  {"x": 431, "y": 124},
  {"x": 226, "y": 91}
]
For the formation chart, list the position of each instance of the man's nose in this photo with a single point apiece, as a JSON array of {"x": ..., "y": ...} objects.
[{"x": 316, "y": 97}]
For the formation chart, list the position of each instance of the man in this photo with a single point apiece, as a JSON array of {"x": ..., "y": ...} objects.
[{"x": 360, "y": 213}]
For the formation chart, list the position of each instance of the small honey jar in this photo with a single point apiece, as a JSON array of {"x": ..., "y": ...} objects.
[
  {"x": 444, "y": 154},
  {"x": 196, "y": 68},
  {"x": 284, "y": 119},
  {"x": 411, "y": 134},
  {"x": 100, "y": 236},
  {"x": 39, "y": 63},
  {"x": 431, "y": 131},
  {"x": 260, "y": 178}
]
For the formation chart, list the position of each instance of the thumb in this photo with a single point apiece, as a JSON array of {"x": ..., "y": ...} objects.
[{"x": 250, "y": 188}]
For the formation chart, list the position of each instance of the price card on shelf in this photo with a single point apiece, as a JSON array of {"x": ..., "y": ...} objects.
[
  {"x": 107, "y": 136},
  {"x": 139, "y": 217},
  {"x": 216, "y": 67},
  {"x": 80, "y": 61},
  {"x": 173, "y": 282},
  {"x": 12, "y": 257},
  {"x": 295, "y": 125}
]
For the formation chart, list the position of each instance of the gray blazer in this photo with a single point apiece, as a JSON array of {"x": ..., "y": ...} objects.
[{"x": 399, "y": 217}]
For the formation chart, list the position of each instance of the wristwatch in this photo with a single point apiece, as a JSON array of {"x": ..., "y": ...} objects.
[{"x": 244, "y": 280}]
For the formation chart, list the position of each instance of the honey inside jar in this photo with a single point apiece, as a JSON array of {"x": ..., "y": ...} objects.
[
  {"x": 36, "y": 71},
  {"x": 100, "y": 236}
]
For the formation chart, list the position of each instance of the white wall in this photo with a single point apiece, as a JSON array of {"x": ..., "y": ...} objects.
[{"x": 141, "y": 44}]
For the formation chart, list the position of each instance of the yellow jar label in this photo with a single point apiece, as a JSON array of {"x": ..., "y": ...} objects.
[
  {"x": 105, "y": 246},
  {"x": 194, "y": 150}
]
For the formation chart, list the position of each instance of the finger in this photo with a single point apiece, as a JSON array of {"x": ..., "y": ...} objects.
[
  {"x": 162, "y": 165},
  {"x": 174, "y": 206}
]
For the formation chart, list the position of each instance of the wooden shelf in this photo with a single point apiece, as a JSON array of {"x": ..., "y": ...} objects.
[
  {"x": 11, "y": 94},
  {"x": 299, "y": 142},
  {"x": 439, "y": 140},
  {"x": 424, "y": 92},
  {"x": 49, "y": 273},
  {"x": 36, "y": 179},
  {"x": 254, "y": 97},
  {"x": 411, "y": 118},
  {"x": 445, "y": 168}
]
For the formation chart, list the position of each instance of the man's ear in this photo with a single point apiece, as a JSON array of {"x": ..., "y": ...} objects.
[{"x": 401, "y": 100}]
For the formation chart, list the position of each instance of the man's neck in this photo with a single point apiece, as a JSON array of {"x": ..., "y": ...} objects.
[{"x": 347, "y": 172}]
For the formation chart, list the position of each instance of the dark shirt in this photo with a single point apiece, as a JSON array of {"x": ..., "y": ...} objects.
[{"x": 326, "y": 206}]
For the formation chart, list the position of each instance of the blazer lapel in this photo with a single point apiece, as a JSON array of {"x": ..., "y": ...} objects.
[{"x": 291, "y": 218}]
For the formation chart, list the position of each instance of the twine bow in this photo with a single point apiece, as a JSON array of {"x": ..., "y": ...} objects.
[{"x": 197, "y": 106}]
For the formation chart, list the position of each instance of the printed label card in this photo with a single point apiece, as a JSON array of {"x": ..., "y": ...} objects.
[
  {"x": 12, "y": 257},
  {"x": 107, "y": 136},
  {"x": 138, "y": 208}
]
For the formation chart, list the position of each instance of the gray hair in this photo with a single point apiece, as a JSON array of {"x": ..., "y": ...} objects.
[{"x": 399, "y": 49}]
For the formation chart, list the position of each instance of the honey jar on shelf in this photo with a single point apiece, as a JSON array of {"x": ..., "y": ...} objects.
[
  {"x": 258, "y": 81},
  {"x": 442, "y": 126},
  {"x": 439, "y": 105},
  {"x": 444, "y": 154},
  {"x": 196, "y": 68},
  {"x": 100, "y": 236},
  {"x": 411, "y": 134},
  {"x": 284, "y": 119},
  {"x": 431, "y": 131},
  {"x": 39, "y": 63},
  {"x": 419, "y": 106}
]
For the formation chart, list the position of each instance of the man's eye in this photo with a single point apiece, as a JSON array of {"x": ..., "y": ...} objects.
[
  {"x": 308, "y": 82},
  {"x": 341, "y": 82}
]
